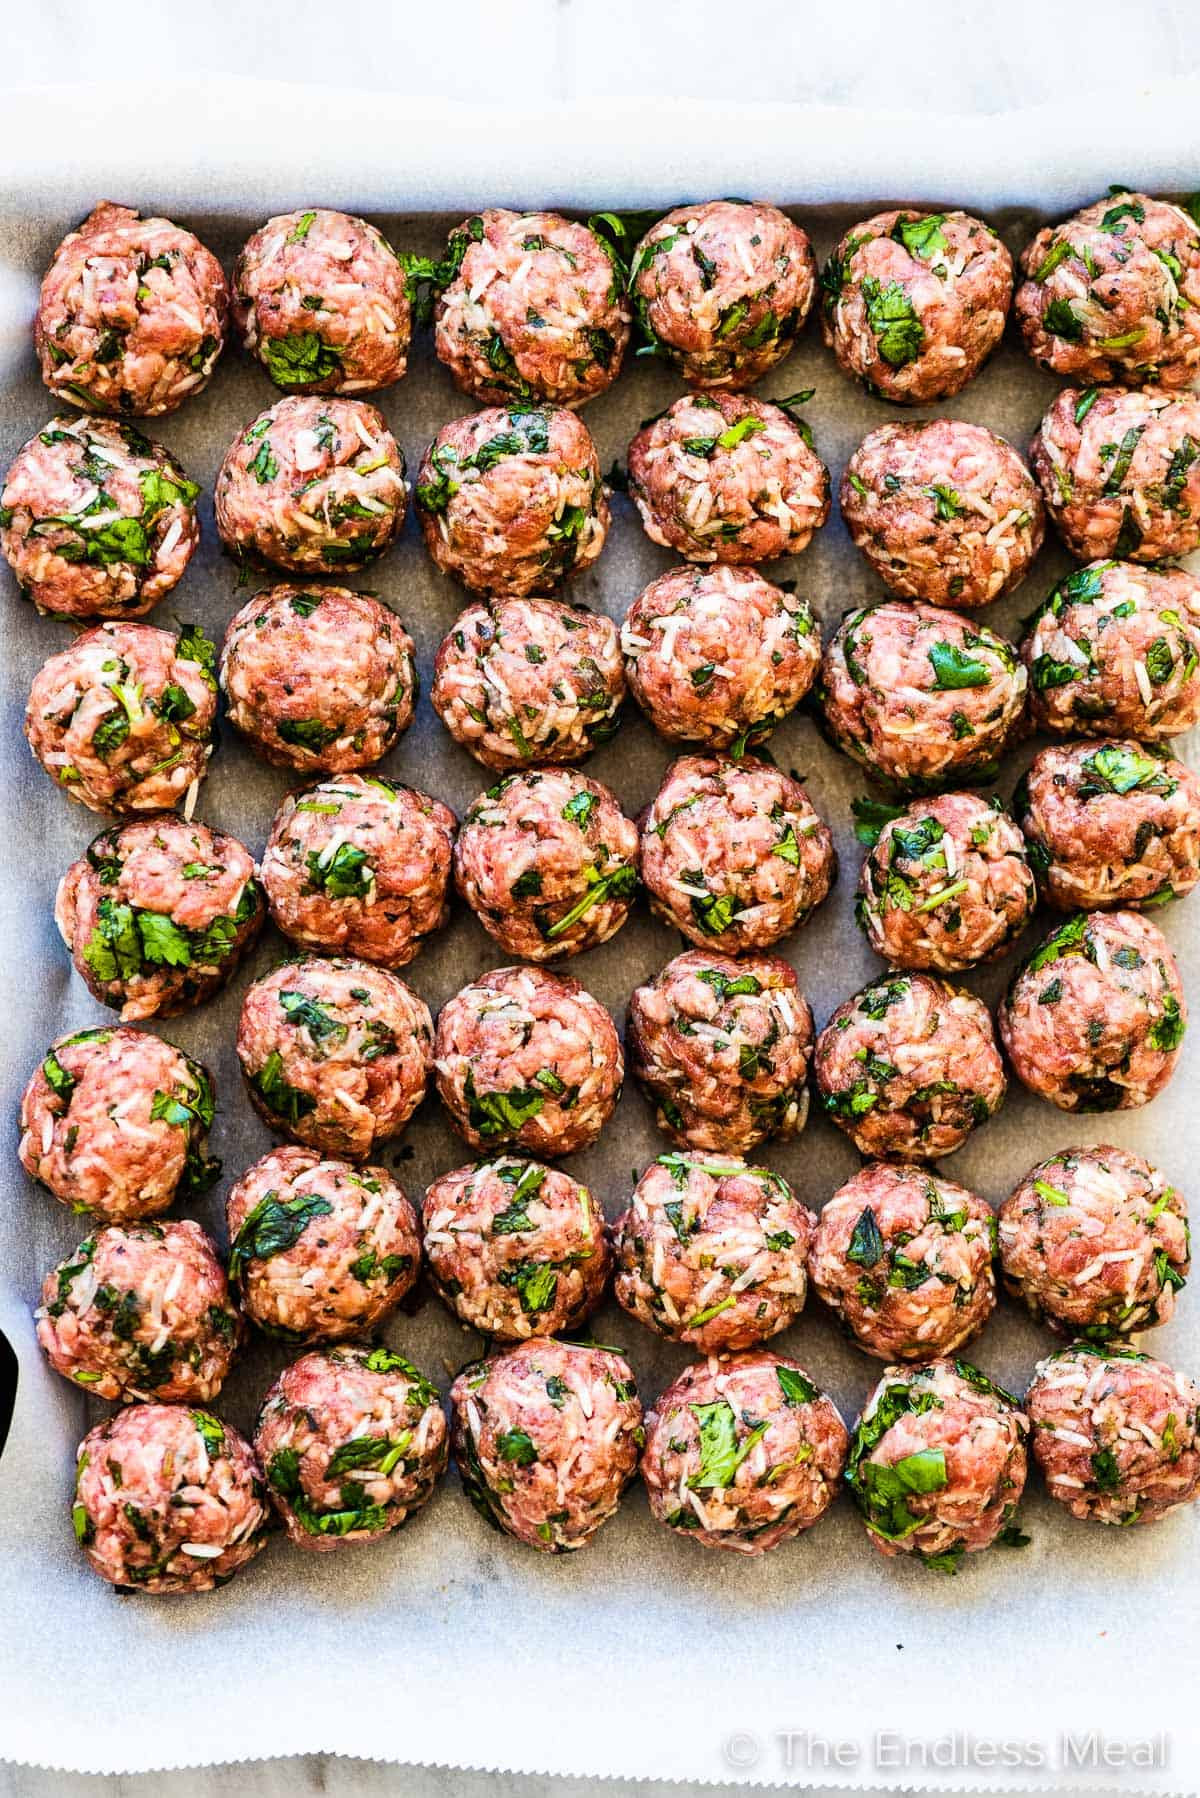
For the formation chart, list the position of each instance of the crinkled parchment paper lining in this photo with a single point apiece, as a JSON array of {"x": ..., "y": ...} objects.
[{"x": 642, "y": 1657}]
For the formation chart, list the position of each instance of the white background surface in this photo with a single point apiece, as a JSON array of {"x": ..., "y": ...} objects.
[{"x": 963, "y": 58}]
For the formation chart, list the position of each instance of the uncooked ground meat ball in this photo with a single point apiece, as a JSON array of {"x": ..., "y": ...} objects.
[
  {"x": 1116, "y": 1435},
  {"x": 733, "y": 854},
  {"x": 546, "y": 1437},
  {"x": 516, "y": 1249},
  {"x": 336, "y": 1053},
  {"x": 1117, "y": 647},
  {"x": 360, "y": 865},
  {"x": 722, "y": 1048},
  {"x": 158, "y": 913},
  {"x": 1120, "y": 472},
  {"x": 723, "y": 478},
  {"x": 1110, "y": 823},
  {"x": 909, "y": 1067},
  {"x": 95, "y": 520},
  {"x": 522, "y": 682},
  {"x": 351, "y": 1442},
  {"x": 719, "y": 655},
  {"x": 1095, "y": 1017},
  {"x": 914, "y": 303},
  {"x": 919, "y": 696},
  {"x": 548, "y": 863},
  {"x": 141, "y": 1311},
  {"x": 122, "y": 718},
  {"x": 313, "y": 485},
  {"x": 168, "y": 1500},
  {"x": 938, "y": 1463},
  {"x": 905, "y": 1260},
  {"x": 319, "y": 677},
  {"x": 533, "y": 309},
  {"x": 511, "y": 501},
  {"x": 321, "y": 300},
  {"x": 722, "y": 290},
  {"x": 115, "y": 1122},
  {"x": 131, "y": 316},
  {"x": 1096, "y": 1242},
  {"x": 943, "y": 511},
  {"x": 1113, "y": 293},
  {"x": 712, "y": 1252},
  {"x": 947, "y": 884},
  {"x": 743, "y": 1452},
  {"x": 319, "y": 1250},
  {"x": 527, "y": 1058}
]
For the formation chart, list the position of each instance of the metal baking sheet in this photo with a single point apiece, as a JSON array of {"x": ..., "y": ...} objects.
[{"x": 643, "y": 1655}]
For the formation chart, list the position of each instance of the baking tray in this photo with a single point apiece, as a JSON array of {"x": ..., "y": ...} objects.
[{"x": 644, "y": 1655}]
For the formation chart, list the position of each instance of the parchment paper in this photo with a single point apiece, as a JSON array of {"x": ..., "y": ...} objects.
[{"x": 643, "y": 1655}]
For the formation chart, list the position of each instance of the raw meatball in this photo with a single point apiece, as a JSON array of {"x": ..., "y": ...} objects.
[
  {"x": 319, "y": 677},
  {"x": 546, "y": 1437},
  {"x": 938, "y": 1463},
  {"x": 336, "y": 1053},
  {"x": 733, "y": 854},
  {"x": 722, "y": 1047},
  {"x": 743, "y": 1453},
  {"x": 713, "y": 1252},
  {"x": 516, "y": 1249},
  {"x": 904, "y": 1258},
  {"x": 313, "y": 485},
  {"x": 352, "y": 1441},
  {"x": 511, "y": 501},
  {"x": 95, "y": 520},
  {"x": 534, "y": 309},
  {"x": 131, "y": 316},
  {"x": 1110, "y": 823},
  {"x": 115, "y": 1122},
  {"x": 943, "y": 511},
  {"x": 168, "y": 1500},
  {"x": 1117, "y": 646},
  {"x": 914, "y": 303},
  {"x": 522, "y": 682},
  {"x": 158, "y": 913},
  {"x": 722, "y": 290},
  {"x": 321, "y": 300},
  {"x": 1120, "y": 472},
  {"x": 122, "y": 719},
  {"x": 1095, "y": 1017},
  {"x": 947, "y": 884},
  {"x": 141, "y": 1311},
  {"x": 719, "y": 655},
  {"x": 1116, "y": 1435},
  {"x": 548, "y": 863},
  {"x": 361, "y": 865},
  {"x": 1113, "y": 294},
  {"x": 1096, "y": 1242},
  {"x": 921, "y": 697},
  {"x": 909, "y": 1067},
  {"x": 319, "y": 1250},
  {"x": 527, "y": 1058},
  {"x": 722, "y": 478}
]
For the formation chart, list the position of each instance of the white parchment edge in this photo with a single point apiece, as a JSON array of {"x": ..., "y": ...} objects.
[{"x": 385, "y": 150}]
